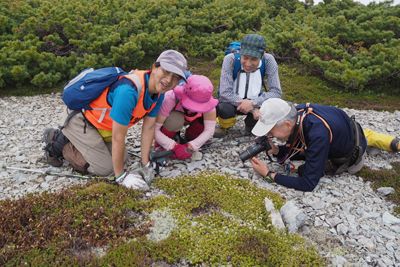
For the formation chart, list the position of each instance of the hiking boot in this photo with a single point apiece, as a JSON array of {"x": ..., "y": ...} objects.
[
  {"x": 395, "y": 145},
  {"x": 53, "y": 160},
  {"x": 220, "y": 131},
  {"x": 48, "y": 138}
]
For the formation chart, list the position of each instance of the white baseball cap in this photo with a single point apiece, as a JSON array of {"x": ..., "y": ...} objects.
[{"x": 271, "y": 111}]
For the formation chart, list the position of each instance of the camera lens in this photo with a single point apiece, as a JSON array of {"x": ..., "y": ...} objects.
[
  {"x": 251, "y": 151},
  {"x": 244, "y": 156}
]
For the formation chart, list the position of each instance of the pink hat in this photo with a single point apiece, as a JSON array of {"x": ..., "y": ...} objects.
[{"x": 196, "y": 95}]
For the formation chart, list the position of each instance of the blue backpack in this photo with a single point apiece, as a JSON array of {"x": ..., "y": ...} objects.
[
  {"x": 234, "y": 47},
  {"x": 80, "y": 91}
]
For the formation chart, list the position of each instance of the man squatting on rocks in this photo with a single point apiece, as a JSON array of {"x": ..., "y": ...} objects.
[
  {"x": 191, "y": 104},
  {"x": 243, "y": 95},
  {"x": 99, "y": 147},
  {"x": 325, "y": 137}
]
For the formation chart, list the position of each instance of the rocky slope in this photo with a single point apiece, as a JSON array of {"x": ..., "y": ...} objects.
[{"x": 352, "y": 224}]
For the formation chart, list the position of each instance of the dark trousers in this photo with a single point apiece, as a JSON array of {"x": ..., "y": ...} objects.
[{"x": 227, "y": 111}]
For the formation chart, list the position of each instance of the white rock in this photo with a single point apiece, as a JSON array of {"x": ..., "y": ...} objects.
[
  {"x": 365, "y": 242},
  {"x": 342, "y": 229},
  {"x": 384, "y": 191},
  {"x": 269, "y": 206},
  {"x": 292, "y": 216},
  {"x": 388, "y": 218},
  {"x": 276, "y": 219}
]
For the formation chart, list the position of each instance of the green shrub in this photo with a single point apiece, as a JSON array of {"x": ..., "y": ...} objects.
[{"x": 56, "y": 225}]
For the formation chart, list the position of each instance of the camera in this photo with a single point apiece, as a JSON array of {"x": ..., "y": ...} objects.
[{"x": 262, "y": 144}]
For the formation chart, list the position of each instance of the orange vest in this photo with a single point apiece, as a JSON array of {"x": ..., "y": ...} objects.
[{"x": 100, "y": 115}]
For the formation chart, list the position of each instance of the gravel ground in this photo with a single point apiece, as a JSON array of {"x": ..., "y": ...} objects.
[{"x": 352, "y": 224}]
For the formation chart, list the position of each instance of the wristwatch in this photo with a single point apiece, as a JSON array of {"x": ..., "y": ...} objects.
[
  {"x": 254, "y": 102},
  {"x": 269, "y": 178}
]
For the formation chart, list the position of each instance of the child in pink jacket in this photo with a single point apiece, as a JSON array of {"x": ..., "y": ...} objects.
[{"x": 192, "y": 105}]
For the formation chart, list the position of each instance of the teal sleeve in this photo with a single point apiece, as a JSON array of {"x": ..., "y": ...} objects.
[{"x": 123, "y": 101}]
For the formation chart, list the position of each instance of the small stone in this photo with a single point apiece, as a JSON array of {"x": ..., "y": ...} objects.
[
  {"x": 20, "y": 158},
  {"x": 318, "y": 222},
  {"x": 397, "y": 255},
  {"x": 193, "y": 165},
  {"x": 388, "y": 219},
  {"x": 386, "y": 261},
  {"x": 45, "y": 186},
  {"x": 351, "y": 242},
  {"x": 384, "y": 191},
  {"x": 342, "y": 229},
  {"x": 292, "y": 216},
  {"x": 276, "y": 219},
  {"x": 269, "y": 206},
  {"x": 365, "y": 227},
  {"x": 396, "y": 228},
  {"x": 49, "y": 178},
  {"x": 317, "y": 205},
  {"x": 148, "y": 174},
  {"x": 366, "y": 242},
  {"x": 339, "y": 261},
  {"x": 336, "y": 193},
  {"x": 175, "y": 173},
  {"x": 387, "y": 234},
  {"x": 196, "y": 156},
  {"x": 22, "y": 178},
  {"x": 373, "y": 151}
]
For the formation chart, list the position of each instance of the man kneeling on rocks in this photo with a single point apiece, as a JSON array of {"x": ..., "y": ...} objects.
[{"x": 325, "y": 137}]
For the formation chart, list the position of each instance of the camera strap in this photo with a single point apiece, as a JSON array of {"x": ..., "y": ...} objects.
[{"x": 294, "y": 137}]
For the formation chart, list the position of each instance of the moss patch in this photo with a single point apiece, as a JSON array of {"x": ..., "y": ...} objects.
[
  {"x": 213, "y": 220},
  {"x": 223, "y": 221}
]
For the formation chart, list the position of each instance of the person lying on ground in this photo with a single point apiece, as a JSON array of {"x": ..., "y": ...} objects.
[{"x": 325, "y": 137}]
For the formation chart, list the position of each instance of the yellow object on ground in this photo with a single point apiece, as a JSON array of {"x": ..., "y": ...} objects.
[
  {"x": 382, "y": 141},
  {"x": 226, "y": 123}
]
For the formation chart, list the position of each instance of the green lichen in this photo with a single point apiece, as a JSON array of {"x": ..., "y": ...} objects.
[{"x": 223, "y": 221}]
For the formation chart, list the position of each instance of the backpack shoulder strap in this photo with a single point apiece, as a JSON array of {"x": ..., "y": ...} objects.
[
  {"x": 309, "y": 110},
  {"x": 237, "y": 65},
  {"x": 133, "y": 77},
  {"x": 262, "y": 70},
  {"x": 70, "y": 115}
]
